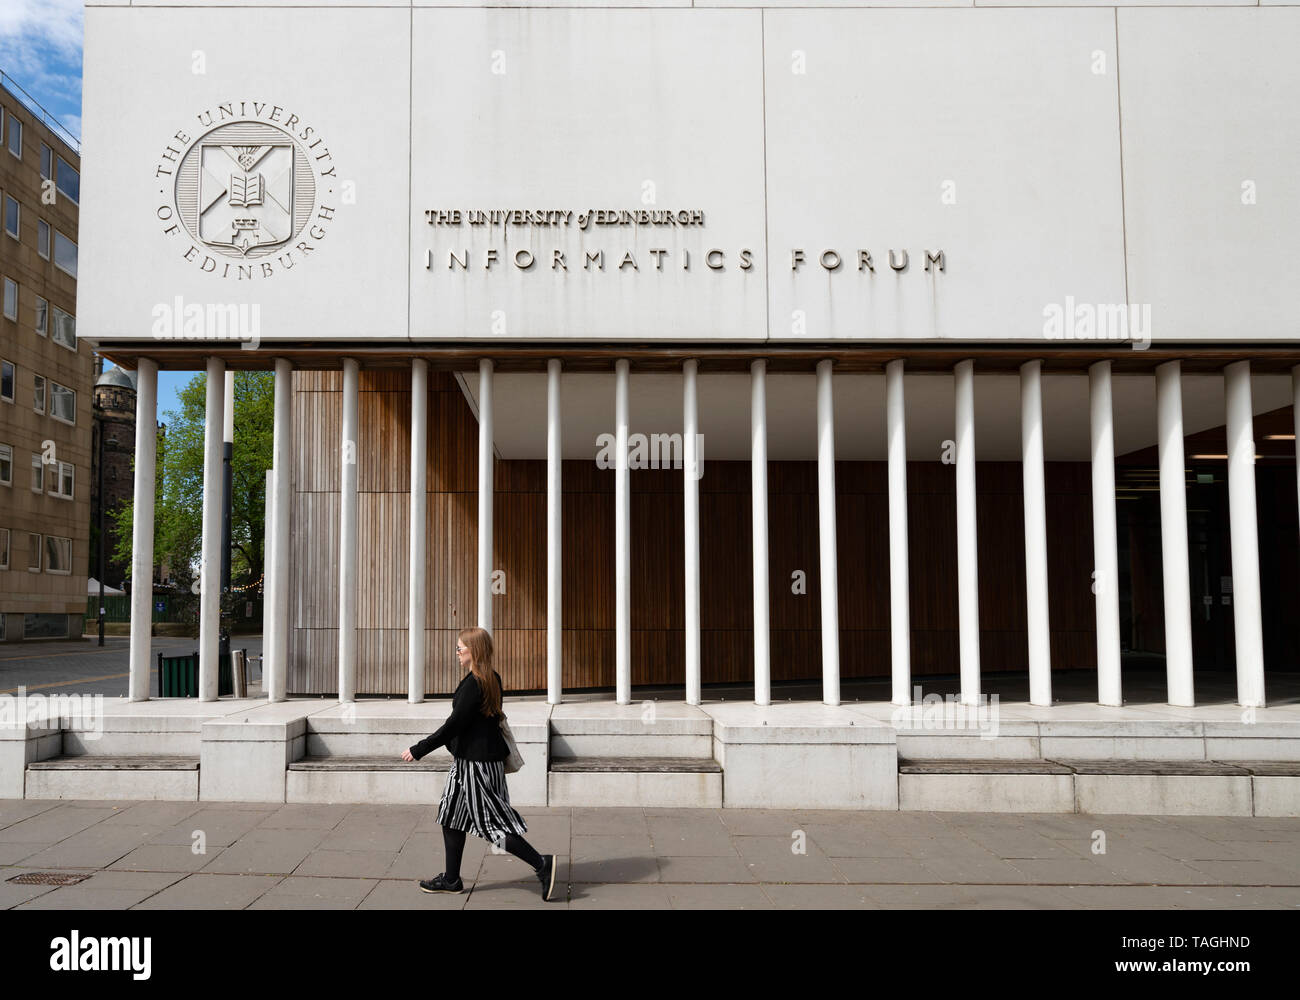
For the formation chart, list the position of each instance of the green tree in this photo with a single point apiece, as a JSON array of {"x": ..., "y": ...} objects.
[{"x": 178, "y": 511}]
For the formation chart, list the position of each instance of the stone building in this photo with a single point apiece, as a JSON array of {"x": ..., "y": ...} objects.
[
  {"x": 114, "y": 416},
  {"x": 45, "y": 379}
]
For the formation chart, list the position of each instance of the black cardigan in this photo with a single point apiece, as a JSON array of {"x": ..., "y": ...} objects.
[{"x": 467, "y": 733}]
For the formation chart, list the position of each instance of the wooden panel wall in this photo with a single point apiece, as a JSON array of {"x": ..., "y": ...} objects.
[{"x": 726, "y": 607}]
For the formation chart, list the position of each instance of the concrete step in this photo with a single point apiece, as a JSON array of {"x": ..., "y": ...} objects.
[
  {"x": 645, "y": 765},
  {"x": 1134, "y": 787},
  {"x": 351, "y": 778},
  {"x": 662, "y": 782},
  {"x": 964, "y": 766},
  {"x": 641, "y": 729},
  {"x": 172, "y": 777},
  {"x": 341, "y": 762}
]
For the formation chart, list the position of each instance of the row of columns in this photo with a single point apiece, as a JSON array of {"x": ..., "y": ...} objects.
[{"x": 1243, "y": 529}]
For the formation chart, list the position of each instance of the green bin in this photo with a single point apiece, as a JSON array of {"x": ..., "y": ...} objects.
[{"x": 178, "y": 676}]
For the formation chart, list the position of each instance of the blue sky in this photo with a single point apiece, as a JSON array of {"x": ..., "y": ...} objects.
[{"x": 40, "y": 51}]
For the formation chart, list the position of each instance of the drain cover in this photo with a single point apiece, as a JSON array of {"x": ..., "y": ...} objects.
[{"x": 48, "y": 878}]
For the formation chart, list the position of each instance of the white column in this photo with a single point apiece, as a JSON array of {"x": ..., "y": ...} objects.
[
  {"x": 691, "y": 525},
  {"x": 228, "y": 410},
  {"x": 275, "y": 669},
  {"x": 826, "y": 535},
  {"x": 758, "y": 506},
  {"x": 142, "y": 527},
  {"x": 486, "y": 485},
  {"x": 1246, "y": 620},
  {"x": 348, "y": 536},
  {"x": 622, "y": 543},
  {"x": 1173, "y": 534},
  {"x": 554, "y": 551},
  {"x": 268, "y": 584},
  {"x": 210, "y": 573},
  {"x": 1105, "y": 542},
  {"x": 418, "y": 552},
  {"x": 968, "y": 607},
  {"x": 900, "y": 628},
  {"x": 1035, "y": 491}
]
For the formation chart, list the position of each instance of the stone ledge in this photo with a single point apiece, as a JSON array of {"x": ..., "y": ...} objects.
[
  {"x": 129, "y": 762},
  {"x": 961, "y": 766},
  {"x": 695, "y": 765},
  {"x": 341, "y": 763},
  {"x": 1159, "y": 768}
]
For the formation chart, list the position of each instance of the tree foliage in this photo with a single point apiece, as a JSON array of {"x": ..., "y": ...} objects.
[{"x": 178, "y": 511}]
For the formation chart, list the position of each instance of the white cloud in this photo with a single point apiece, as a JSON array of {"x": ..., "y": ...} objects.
[
  {"x": 40, "y": 48},
  {"x": 58, "y": 23}
]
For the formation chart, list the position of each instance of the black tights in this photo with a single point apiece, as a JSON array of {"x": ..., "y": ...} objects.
[{"x": 454, "y": 843}]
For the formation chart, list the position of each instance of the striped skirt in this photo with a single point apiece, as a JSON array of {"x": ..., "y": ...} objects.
[{"x": 476, "y": 800}]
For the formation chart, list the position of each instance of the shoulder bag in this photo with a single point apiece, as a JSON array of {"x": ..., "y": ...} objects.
[{"x": 514, "y": 759}]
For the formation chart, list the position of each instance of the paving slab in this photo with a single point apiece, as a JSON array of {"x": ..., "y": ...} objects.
[
  {"x": 96, "y": 847},
  {"x": 819, "y": 897},
  {"x": 305, "y": 816},
  {"x": 266, "y": 852},
  {"x": 49, "y": 826},
  {"x": 704, "y": 869},
  {"x": 290, "y": 856},
  {"x": 400, "y": 894},
  {"x": 597, "y": 896},
  {"x": 718, "y": 897},
  {"x": 299, "y": 892},
  {"x": 202, "y": 891}
]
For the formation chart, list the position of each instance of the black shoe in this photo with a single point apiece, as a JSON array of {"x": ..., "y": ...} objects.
[
  {"x": 440, "y": 883},
  {"x": 546, "y": 875}
]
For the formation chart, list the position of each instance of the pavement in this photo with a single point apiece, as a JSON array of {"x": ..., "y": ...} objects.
[
  {"x": 213, "y": 855},
  {"x": 82, "y": 666}
]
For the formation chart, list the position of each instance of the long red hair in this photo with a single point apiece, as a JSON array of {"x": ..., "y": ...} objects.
[{"x": 479, "y": 644}]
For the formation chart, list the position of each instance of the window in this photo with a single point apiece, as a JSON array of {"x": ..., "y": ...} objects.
[
  {"x": 47, "y": 162},
  {"x": 11, "y": 299},
  {"x": 7, "y": 381},
  {"x": 4, "y": 550},
  {"x": 6, "y": 465},
  {"x": 38, "y": 393},
  {"x": 15, "y": 137},
  {"x": 63, "y": 403},
  {"x": 38, "y": 474},
  {"x": 64, "y": 480},
  {"x": 65, "y": 254},
  {"x": 42, "y": 316},
  {"x": 45, "y": 626},
  {"x": 11, "y": 216},
  {"x": 33, "y": 552},
  {"x": 58, "y": 555},
  {"x": 68, "y": 181},
  {"x": 65, "y": 329},
  {"x": 43, "y": 238}
]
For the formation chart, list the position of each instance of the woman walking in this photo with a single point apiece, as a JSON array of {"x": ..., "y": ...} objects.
[{"x": 476, "y": 799}]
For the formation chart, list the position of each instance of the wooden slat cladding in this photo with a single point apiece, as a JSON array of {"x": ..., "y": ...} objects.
[
  {"x": 657, "y": 559},
  {"x": 314, "y": 539}
]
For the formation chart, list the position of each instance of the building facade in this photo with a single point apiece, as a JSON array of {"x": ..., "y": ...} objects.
[
  {"x": 45, "y": 401},
  {"x": 681, "y": 345}
]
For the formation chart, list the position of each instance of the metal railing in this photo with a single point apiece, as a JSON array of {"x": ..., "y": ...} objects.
[{"x": 35, "y": 107}]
